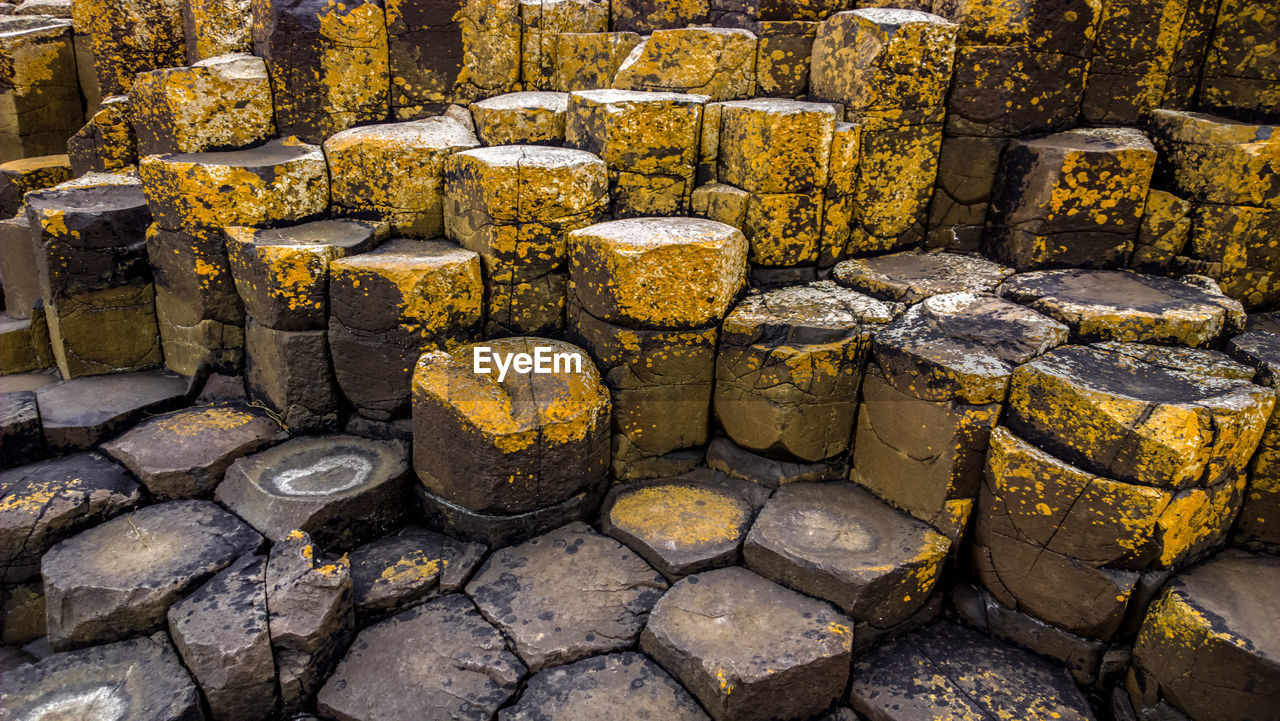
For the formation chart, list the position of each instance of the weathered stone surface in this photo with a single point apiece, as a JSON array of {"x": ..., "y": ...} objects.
[
  {"x": 715, "y": 62},
  {"x": 390, "y": 305},
  {"x": 392, "y": 573},
  {"x": 217, "y": 27},
  {"x": 1135, "y": 420},
  {"x": 649, "y": 140},
  {"x": 283, "y": 181},
  {"x": 1237, "y": 80},
  {"x": 18, "y": 268},
  {"x": 497, "y": 530},
  {"x": 892, "y": 186},
  {"x": 588, "y": 61},
  {"x": 566, "y": 595},
  {"x": 542, "y": 23},
  {"x": 647, "y": 16},
  {"x": 966, "y": 176},
  {"x": 328, "y": 64},
  {"x": 618, "y": 685},
  {"x": 38, "y": 86},
  {"x": 310, "y": 616},
  {"x": 748, "y": 648},
  {"x": 451, "y": 51},
  {"x": 1165, "y": 230},
  {"x": 49, "y": 501},
  {"x": 290, "y": 373},
  {"x": 22, "y": 614},
  {"x": 1207, "y": 644},
  {"x": 119, "y": 578},
  {"x": 788, "y": 368},
  {"x": 107, "y": 142},
  {"x": 637, "y": 272},
  {"x": 1236, "y": 246},
  {"x": 1259, "y": 522},
  {"x": 661, "y": 383},
  {"x": 1122, "y": 306},
  {"x": 137, "y": 680},
  {"x": 129, "y": 38},
  {"x": 950, "y": 672},
  {"x": 783, "y": 53},
  {"x": 913, "y": 276},
  {"x": 1070, "y": 199},
  {"x": 96, "y": 282},
  {"x": 729, "y": 458},
  {"x": 963, "y": 346},
  {"x": 24, "y": 344},
  {"x": 514, "y": 206},
  {"x": 21, "y": 435},
  {"x": 338, "y": 489},
  {"x": 17, "y": 177},
  {"x": 221, "y": 633},
  {"x": 184, "y": 454},
  {"x": 1211, "y": 159},
  {"x": 219, "y": 103},
  {"x": 1010, "y": 90},
  {"x": 527, "y": 117},
  {"x": 680, "y": 527},
  {"x": 80, "y": 413},
  {"x": 506, "y": 445},
  {"x": 1131, "y": 62},
  {"x": 835, "y": 541},
  {"x": 282, "y": 274},
  {"x": 440, "y": 658},
  {"x": 394, "y": 172},
  {"x": 198, "y": 311}
]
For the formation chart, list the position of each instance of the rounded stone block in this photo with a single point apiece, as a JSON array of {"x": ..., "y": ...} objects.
[
  {"x": 500, "y": 442},
  {"x": 1208, "y": 644},
  {"x": 642, "y": 272},
  {"x": 137, "y": 680},
  {"x": 1103, "y": 305},
  {"x": 749, "y": 649},
  {"x": 912, "y": 276},
  {"x": 535, "y": 118},
  {"x": 391, "y": 305},
  {"x": 394, "y": 172},
  {"x": 283, "y": 181},
  {"x": 613, "y": 686},
  {"x": 118, "y": 579},
  {"x": 962, "y": 346},
  {"x": 838, "y": 542},
  {"x": 337, "y": 489},
  {"x": 566, "y": 595},
  {"x": 788, "y": 367},
  {"x": 282, "y": 274},
  {"x": 679, "y": 527},
  {"x": 1137, "y": 421}
]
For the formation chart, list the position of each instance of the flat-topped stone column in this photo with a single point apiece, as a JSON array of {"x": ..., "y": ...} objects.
[{"x": 41, "y": 93}]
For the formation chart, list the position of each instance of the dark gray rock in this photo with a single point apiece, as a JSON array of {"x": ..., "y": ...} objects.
[
  {"x": 912, "y": 276},
  {"x": 495, "y": 530},
  {"x": 21, "y": 435},
  {"x": 733, "y": 460},
  {"x": 289, "y": 371},
  {"x": 614, "y": 686},
  {"x": 80, "y": 413},
  {"x": 413, "y": 565},
  {"x": 565, "y": 595}
]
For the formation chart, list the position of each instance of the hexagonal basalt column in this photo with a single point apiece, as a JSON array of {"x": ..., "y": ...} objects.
[
  {"x": 543, "y": 22},
  {"x": 1259, "y": 522},
  {"x": 198, "y": 310},
  {"x": 519, "y": 118},
  {"x": 328, "y": 63},
  {"x": 649, "y": 142},
  {"x": 219, "y": 103},
  {"x": 38, "y": 87},
  {"x": 18, "y": 177},
  {"x": 131, "y": 37},
  {"x": 106, "y": 143},
  {"x": 390, "y": 305},
  {"x": 513, "y": 205},
  {"x": 394, "y": 172},
  {"x": 217, "y": 27},
  {"x": 789, "y": 365},
  {"x": 588, "y": 61},
  {"x": 509, "y": 426},
  {"x": 338, "y": 489},
  {"x": 913, "y": 276},
  {"x": 96, "y": 282},
  {"x": 1070, "y": 199},
  {"x": 716, "y": 62}
]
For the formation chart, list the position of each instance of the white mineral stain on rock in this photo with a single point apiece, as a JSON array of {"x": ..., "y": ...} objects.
[
  {"x": 311, "y": 480},
  {"x": 105, "y": 702}
]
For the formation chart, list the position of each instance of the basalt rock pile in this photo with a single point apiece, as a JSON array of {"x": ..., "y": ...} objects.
[{"x": 874, "y": 360}]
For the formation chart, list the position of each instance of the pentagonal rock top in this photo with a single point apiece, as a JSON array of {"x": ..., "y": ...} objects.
[{"x": 915, "y": 275}]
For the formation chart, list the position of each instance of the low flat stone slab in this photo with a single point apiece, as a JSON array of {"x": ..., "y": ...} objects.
[
  {"x": 680, "y": 527},
  {"x": 1100, "y": 305},
  {"x": 80, "y": 413},
  {"x": 748, "y": 648},
  {"x": 912, "y": 276},
  {"x": 21, "y": 436},
  {"x": 136, "y": 680},
  {"x": 438, "y": 660},
  {"x": 43, "y": 503},
  {"x": 184, "y": 454},
  {"x": 338, "y": 489},
  {"x": 119, "y": 578},
  {"x": 413, "y": 565},
  {"x": 221, "y": 633},
  {"x": 838, "y": 542},
  {"x": 567, "y": 594},
  {"x": 948, "y": 673},
  {"x": 614, "y": 686},
  {"x": 1209, "y": 642}
]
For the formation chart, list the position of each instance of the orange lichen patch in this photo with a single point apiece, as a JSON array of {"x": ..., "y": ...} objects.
[
  {"x": 543, "y": 23},
  {"x": 1196, "y": 519},
  {"x": 716, "y": 62},
  {"x": 680, "y": 516},
  {"x": 413, "y": 568},
  {"x": 438, "y": 283},
  {"x": 192, "y": 422},
  {"x": 33, "y": 499}
]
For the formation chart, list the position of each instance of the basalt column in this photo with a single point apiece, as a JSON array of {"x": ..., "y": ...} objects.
[
  {"x": 646, "y": 296},
  {"x": 38, "y": 87},
  {"x": 513, "y": 205},
  {"x": 129, "y": 37},
  {"x": 194, "y": 197}
]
